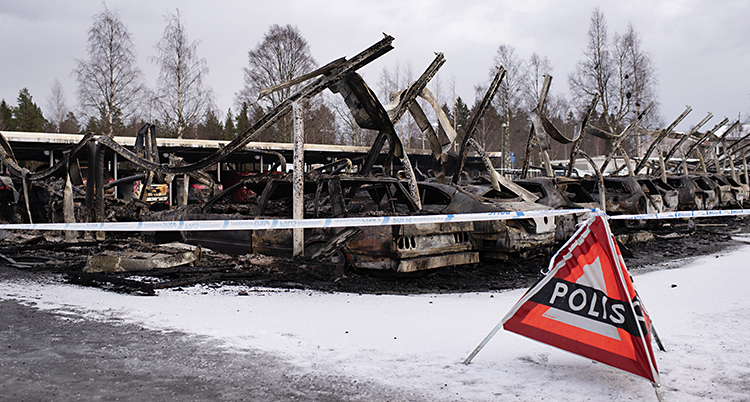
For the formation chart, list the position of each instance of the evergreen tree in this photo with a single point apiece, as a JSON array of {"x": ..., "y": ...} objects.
[
  {"x": 6, "y": 117},
  {"x": 92, "y": 126},
  {"x": 210, "y": 128},
  {"x": 70, "y": 124},
  {"x": 27, "y": 116},
  {"x": 320, "y": 125},
  {"x": 229, "y": 131},
  {"x": 242, "y": 121},
  {"x": 462, "y": 116}
]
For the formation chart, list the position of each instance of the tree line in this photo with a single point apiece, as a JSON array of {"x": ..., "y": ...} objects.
[{"x": 114, "y": 100}]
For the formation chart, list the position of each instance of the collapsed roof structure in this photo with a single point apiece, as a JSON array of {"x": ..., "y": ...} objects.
[{"x": 380, "y": 183}]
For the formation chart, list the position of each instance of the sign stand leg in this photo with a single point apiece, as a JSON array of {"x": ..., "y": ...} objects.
[
  {"x": 484, "y": 342},
  {"x": 657, "y": 339},
  {"x": 657, "y": 389}
]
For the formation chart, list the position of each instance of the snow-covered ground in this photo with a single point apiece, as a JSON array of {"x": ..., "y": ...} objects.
[{"x": 700, "y": 310}]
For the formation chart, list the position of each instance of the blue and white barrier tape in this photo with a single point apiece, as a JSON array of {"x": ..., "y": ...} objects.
[
  {"x": 686, "y": 214},
  {"x": 254, "y": 224}
]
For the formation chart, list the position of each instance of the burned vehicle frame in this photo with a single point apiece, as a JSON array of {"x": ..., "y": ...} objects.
[
  {"x": 498, "y": 239},
  {"x": 398, "y": 248},
  {"x": 624, "y": 195},
  {"x": 560, "y": 193},
  {"x": 695, "y": 192},
  {"x": 731, "y": 194}
]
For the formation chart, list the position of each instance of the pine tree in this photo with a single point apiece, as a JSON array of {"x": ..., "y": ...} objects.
[
  {"x": 27, "y": 116},
  {"x": 462, "y": 115},
  {"x": 70, "y": 124},
  {"x": 6, "y": 117},
  {"x": 229, "y": 130},
  {"x": 210, "y": 128},
  {"x": 243, "y": 123}
]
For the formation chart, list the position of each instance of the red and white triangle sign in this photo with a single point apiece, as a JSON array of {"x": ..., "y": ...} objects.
[{"x": 586, "y": 304}]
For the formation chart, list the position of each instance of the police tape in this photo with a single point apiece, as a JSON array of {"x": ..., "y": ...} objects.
[
  {"x": 259, "y": 224},
  {"x": 685, "y": 214},
  {"x": 256, "y": 224}
]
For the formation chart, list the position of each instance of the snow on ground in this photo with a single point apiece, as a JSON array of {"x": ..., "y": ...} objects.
[{"x": 700, "y": 311}]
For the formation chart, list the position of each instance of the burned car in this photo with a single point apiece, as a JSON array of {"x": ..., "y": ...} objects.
[
  {"x": 654, "y": 194},
  {"x": 695, "y": 192},
  {"x": 560, "y": 193},
  {"x": 669, "y": 195},
  {"x": 394, "y": 248},
  {"x": 731, "y": 193},
  {"x": 625, "y": 195},
  {"x": 741, "y": 181},
  {"x": 498, "y": 238},
  {"x": 8, "y": 199}
]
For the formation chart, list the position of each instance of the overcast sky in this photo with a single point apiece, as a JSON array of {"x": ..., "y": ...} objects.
[{"x": 700, "y": 48}]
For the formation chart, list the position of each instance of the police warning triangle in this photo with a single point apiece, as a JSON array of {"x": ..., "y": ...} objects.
[{"x": 586, "y": 304}]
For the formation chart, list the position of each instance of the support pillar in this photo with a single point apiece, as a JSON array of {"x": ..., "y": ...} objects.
[
  {"x": 185, "y": 189},
  {"x": 298, "y": 179}
]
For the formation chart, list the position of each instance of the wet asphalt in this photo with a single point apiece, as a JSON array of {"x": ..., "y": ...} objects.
[{"x": 49, "y": 356}]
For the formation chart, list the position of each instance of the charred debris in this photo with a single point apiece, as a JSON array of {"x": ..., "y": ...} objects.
[{"x": 381, "y": 182}]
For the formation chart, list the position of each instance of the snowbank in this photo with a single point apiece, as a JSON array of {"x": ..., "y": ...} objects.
[{"x": 418, "y": 342}]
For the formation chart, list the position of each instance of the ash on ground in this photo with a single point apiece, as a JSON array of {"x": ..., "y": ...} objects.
[{"x": 653, "y": 246}]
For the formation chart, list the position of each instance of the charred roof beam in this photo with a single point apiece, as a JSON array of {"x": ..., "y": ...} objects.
[
  {"x": 659, "y": 138},
  {"x": 491, "y": 91}
]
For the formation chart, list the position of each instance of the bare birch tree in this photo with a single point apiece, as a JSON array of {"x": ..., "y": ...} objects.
[
  {"x": 110, "y": 84},
  {"x": 57, "y": 109},
  {"x": 592, "y": 75},
  {"x": 537, "y": 68},
  {"x": 182, "y": 97},
  {"x": 639, "y": 81},
  {"x": 509, "y": 97},
  {"x": 282, "y": 55},
  {"x": 621, "y": 73},
  {"x": 394, "y": 80}
]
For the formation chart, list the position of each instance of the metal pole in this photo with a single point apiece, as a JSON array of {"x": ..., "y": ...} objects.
[
  {"x": 298, "y": 175},
  {"x": 483, "y": 343}
]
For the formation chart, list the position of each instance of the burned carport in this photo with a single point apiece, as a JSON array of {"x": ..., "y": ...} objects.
[
  {"x": 245, "y": 180},
  {"x": 164, "y": 163}
]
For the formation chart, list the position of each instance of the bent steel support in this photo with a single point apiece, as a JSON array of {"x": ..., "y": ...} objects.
[
  {"x": 624, "y": 135},
  {"x": 581, "y": 129},
  {"x": 18, "y": 171},
  {"x": 659, "y": 138},
  {"x": 530, "y": 141},
  {"x": 491, "y": 91},
  {"x": 684, "y": 138},
  {"x": 710, "y": 133}
]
